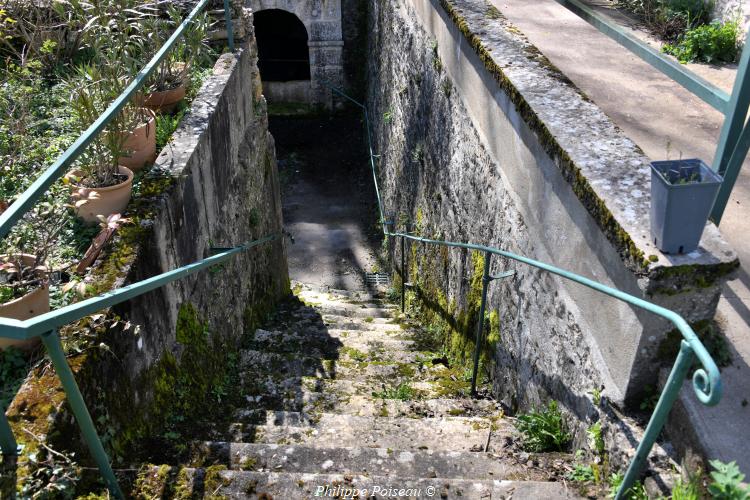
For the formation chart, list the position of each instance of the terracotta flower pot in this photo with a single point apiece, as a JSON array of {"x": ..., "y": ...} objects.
[
  {"x": 111, "y": 200},
  {"x": 166, "y": 100},
  {"x": 32, "y": 304},
  {"x": 140, "y": 145}
]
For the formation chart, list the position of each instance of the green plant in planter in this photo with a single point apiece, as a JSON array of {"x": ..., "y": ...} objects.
[
  {"x": 192, "y": 49},
  {"x": 27, "y": 250},
  {"x": 91, "y": 93}
]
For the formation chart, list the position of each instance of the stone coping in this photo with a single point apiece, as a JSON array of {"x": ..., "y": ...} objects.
[{"x": 608, "y": 172}]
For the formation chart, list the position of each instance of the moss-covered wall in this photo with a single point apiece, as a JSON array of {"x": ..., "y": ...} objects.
[{"x": 354, "y": 28}]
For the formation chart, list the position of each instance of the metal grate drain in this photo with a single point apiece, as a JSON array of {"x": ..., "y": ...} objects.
[{"x": 377, "y": 278}]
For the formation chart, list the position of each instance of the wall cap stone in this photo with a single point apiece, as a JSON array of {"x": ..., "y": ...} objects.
[{"x": 607, "y": 171}]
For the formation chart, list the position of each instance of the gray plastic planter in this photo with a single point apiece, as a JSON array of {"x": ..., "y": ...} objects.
[{"x": 682, "y": 194}]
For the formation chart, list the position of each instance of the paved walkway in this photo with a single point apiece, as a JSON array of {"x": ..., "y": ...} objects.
[
  {"x": 325, "y": 197},
  {"x": 664, "y": 120}
]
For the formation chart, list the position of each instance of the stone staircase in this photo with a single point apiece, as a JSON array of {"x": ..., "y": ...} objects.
[{"x": 344, "y": 396}]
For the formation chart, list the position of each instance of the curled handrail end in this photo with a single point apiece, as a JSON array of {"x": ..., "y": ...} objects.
[{"x": 707, "y": 386}]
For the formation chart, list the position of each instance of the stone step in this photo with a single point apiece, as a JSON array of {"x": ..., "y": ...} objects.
[
  {"x": 330, "y": 430},
  {"x": 351, "y": 307},
  {"x": 340, "y": 322},
  {"x": 342, "y": 365},
  {"x": 359, "y": 460},
  {"x": 316, "y": 394},
  {"x": 213, "y": 483},
  {"x": 312, "y": 292},
  {"x": 357, "y": 348},
  {"x": 368, "y": 406},
  {"x": 323, "y": 338},
  {"x": 340, "y": 396}
]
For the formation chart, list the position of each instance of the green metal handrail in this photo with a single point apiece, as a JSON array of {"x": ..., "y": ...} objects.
[
  {"x": 45, "y": 326},
  {"x": 706, "y": 380}
]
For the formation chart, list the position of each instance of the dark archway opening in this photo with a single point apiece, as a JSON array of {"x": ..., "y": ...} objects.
[{"x": 283, "y": 54}]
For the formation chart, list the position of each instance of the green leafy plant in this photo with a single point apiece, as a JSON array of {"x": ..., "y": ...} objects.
[
  {"x": 13, "y": 369},
  {"x": 544, "y": 430},
  {"x": 596, "y": 439},
  {"x": 91, "y": 92},
  {"x": 710, "y": 43},
  {"x": 636, "y": 492},
  {"x": 727, "y": 480},
  {"x": 581, "y": 473},
  {"x": 669, "y": 19},
  {"x": 687, "y": 489},
  {"x": 51, "y": 474},
  {"x": 165, "y": 127},
  {"x": 650, "y": 398},
  {"x": 402, "y": 392},
  {"x": 193, "y": 48}
]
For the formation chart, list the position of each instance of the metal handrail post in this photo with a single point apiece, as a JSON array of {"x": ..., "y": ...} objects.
[
  {"x": 403, "y": 274},
  {"x": 8, "y": 444},
  {"x": 77, "y": 405},
  {"x": 228, "y": 22},
  {"x": 658, "y": 418},
  {"x": 725, "y": 161},
  {"x": 480, "y": 321}
]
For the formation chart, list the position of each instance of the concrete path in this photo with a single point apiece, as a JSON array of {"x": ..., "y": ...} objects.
[
  {"x": 665, "y": 120},
  {"x": 326, "y": 198}
]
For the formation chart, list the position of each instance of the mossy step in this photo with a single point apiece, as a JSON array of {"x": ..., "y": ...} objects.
[
  {"x": 216, "y": 483},
  {"x": 355, "y": 349},
  {"x": 349, "y": 323},
  {"x": 296, "y": 393},
  {"x": 345, "y": 367},
  {"x": 360, "y": 460},
  {"x": 367, "y": 406},
  {"x": 331, "y": 430},
  {"x": 332, "y": 340}
]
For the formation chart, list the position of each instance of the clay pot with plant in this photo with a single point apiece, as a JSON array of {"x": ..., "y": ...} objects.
[
  {"x": 139, "y": 145},
  {"x": 24, "y": 261},
  {"x": 169, "y": 83},
  {"x": 102, "y": 185}
]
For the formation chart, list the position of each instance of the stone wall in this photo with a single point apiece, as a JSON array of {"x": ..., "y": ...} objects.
[
  {"x": 226, "y": 193},
  {"x": 482, "y": 140},
  {"x": 215, "y": 185},
  {"x": 727, "y": 10},
  {"x": 354, "y": 28}
]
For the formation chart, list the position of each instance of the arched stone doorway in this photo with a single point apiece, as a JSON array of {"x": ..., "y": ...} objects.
[
  {"x": 283, "y": 54},
  {"x": 280, "y": 26}
]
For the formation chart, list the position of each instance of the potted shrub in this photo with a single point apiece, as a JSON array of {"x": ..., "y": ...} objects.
[
  {"x": 102, "y": 185},
  {"x": 169, "y": 83},
  {"x": 682, "y": 195},
  {"x": 24, "y": 293},
  {"x": 139, "y": 144},
  {"x": 168, "y": 86},
  {"x": 24, "y": 256}
]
